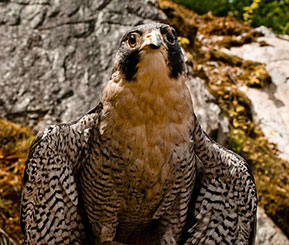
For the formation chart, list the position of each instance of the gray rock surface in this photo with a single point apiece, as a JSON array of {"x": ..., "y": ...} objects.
[
  {"x": 208, "y": 113},
  {"x": 271, "y": 105},
  {"x": 267, "y": 232},
  {"x": 57, "y": 55}
]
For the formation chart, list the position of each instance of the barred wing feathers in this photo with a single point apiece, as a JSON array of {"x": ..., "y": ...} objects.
[
  {"x": 49, "y": 206},
  {"x": 224, "y": 209}
]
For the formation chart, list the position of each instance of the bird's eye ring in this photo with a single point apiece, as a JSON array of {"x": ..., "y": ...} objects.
[
  {"x": 170, "y": 38},
  {"x": 132, "y": 40}
]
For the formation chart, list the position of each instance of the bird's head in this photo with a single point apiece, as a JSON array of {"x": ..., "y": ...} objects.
[
  {"x": 147, "y": 88},
  {"x": 149, "y": 50}
]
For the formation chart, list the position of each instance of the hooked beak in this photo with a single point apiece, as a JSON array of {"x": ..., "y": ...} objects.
[{"x": 152, "y": 40}]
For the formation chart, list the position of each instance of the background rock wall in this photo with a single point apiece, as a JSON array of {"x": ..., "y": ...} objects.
[
  {"x": 267, "y": 232},
  {"x": 57, "y": 55}
]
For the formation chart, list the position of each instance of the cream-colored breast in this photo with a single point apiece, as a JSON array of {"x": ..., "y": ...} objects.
[{"x": 146, "y": 119}]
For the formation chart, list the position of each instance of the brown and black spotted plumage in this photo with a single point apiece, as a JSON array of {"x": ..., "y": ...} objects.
[{"x": 138, "y": 169}]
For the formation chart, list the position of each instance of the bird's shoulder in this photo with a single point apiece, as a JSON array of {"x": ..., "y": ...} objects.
[{"x": 57, "y": 137}]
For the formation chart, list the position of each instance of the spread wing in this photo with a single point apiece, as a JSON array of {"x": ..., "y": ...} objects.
[
  {"x": 49, "y": 205},
  {"x": 223, "y": 210}
]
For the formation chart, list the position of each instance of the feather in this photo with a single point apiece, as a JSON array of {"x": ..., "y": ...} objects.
[
  {"x": 49, "y": 208},
  {"x": 224, "y": 210}
]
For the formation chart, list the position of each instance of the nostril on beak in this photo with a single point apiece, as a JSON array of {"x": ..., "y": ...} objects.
[
  {"x": 154, "y": 46},
  {"x": 155, "y": 41},
  {"x": 152, "y": 40}
]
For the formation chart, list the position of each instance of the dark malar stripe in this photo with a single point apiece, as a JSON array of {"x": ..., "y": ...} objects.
[{"x": 128, "y": 64}]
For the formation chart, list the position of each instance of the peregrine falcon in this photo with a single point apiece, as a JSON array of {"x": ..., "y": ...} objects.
[{"x": 138, "y": 169}]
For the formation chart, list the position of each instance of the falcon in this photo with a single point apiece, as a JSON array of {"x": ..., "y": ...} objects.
[{"x": 138, "y": 169}]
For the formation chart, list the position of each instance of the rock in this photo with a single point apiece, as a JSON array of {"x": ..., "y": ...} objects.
[
  {"x": 270, "y": 104},
  {"x": 57, "y": 57},
  {"x": 267, "y": 232},
  {"x": 208, "y": 113}
]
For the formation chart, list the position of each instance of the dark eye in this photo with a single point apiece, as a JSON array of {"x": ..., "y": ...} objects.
[
  {"x": 170, "y": 38},
  {"x": 132, "y": 40}
]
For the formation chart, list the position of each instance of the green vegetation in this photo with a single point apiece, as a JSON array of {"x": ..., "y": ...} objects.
[{"x": 273, "y": 14}]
